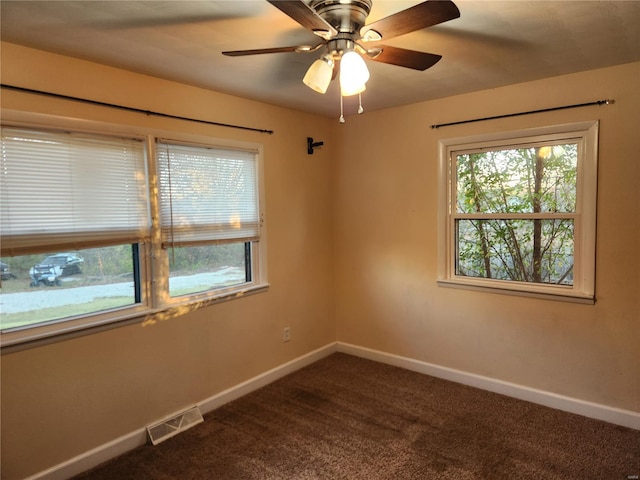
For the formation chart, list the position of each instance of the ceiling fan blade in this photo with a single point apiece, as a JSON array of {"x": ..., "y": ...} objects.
[
  {"x": 305, "y": 16},
  {"x": 423, "y": 15},
  {"x": 403, "y": 57},
  {"x": 260, "y": 51}
]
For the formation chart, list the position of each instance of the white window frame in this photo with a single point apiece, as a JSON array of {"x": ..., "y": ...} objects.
[
  {"x": 585, "y": 134},
  {"x": 155, "y": 300},
  {"x": 258, "y": 281}
]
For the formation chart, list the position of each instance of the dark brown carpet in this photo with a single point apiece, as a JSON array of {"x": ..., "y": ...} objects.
[{"x": 348, "y": 418}]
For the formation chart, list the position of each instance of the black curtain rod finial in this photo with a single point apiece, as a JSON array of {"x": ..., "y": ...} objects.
[{"x": 311, "y": 145}]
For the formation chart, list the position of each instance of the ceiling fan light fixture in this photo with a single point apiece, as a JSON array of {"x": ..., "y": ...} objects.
[
  {"x": 319, "y": 74},
  {"x": 342, "y": 25},
  {"x": 354, "y": 74}
]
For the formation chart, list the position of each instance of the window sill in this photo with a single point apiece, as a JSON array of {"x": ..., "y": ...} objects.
[
  {"x": 545, "y": 295},
  {"x": 31, "y": 337},
  {"x": 189, "y": 305}
]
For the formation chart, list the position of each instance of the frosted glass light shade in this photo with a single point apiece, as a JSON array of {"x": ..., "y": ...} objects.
[
  {"x": 319, "y": 75},
  {"x": 353, "y": 74}
]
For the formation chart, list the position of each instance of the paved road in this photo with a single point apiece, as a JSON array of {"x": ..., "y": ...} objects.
[{"x": 44, "y": 297}]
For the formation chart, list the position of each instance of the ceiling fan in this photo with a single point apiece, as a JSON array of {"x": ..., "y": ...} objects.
[{"x": 340, "y": 24}]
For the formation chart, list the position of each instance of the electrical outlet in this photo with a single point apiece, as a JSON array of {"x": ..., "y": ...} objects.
[{"x": 286, "y": 334}]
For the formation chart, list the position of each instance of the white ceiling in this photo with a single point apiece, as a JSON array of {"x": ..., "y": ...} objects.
[{"x": 493, "y": 43}]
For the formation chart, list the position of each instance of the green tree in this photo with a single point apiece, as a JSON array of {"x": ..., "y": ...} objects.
[{"x": 509, "y": 198}]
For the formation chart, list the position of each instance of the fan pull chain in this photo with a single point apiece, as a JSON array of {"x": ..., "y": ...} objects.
[{"x": 360, "y": 109}]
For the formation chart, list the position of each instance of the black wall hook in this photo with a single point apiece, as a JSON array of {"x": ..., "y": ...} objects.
[{"x": 311, "y": 145}]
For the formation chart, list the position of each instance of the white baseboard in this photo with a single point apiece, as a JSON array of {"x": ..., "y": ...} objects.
[
  {"x": 625, "y": 418},
  {"x": 137, "y": 438}
]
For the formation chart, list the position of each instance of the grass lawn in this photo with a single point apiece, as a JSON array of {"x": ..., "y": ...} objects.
[{"x": 21, "y": 319}]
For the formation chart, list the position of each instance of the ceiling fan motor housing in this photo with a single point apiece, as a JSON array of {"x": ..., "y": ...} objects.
[{"x": 345, "y": 17}]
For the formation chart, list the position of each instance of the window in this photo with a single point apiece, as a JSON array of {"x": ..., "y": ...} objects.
[
  {"x": 202, "y": 268},
  {"x": 518, "y": 212},
  {"x": 74, "y": 212},
  {"x": 209, "y": 215},
  {"x": 78, "y": 245}
]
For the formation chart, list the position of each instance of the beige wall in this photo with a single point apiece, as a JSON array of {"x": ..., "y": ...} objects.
[
  {"x": 386, "y": 246},
  {"x": 352, "y": 240},
  {"x": 64, "y": 399}
]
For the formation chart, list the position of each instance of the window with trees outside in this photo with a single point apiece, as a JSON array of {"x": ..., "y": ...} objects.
[
  {"x": 80, "y": 244},
  {"x": 517, "y": 212},
  {"x": 208, "y": 214}
]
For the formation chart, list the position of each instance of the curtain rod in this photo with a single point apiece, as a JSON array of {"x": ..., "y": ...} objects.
[
  {"x": 130, "y": 109},
  {"x": 599, "y": 102}
]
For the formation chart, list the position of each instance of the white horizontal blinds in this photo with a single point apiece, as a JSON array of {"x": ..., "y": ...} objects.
[
  {"x": 66, "y": 190},
  {"x": 207, "y": 194}
]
